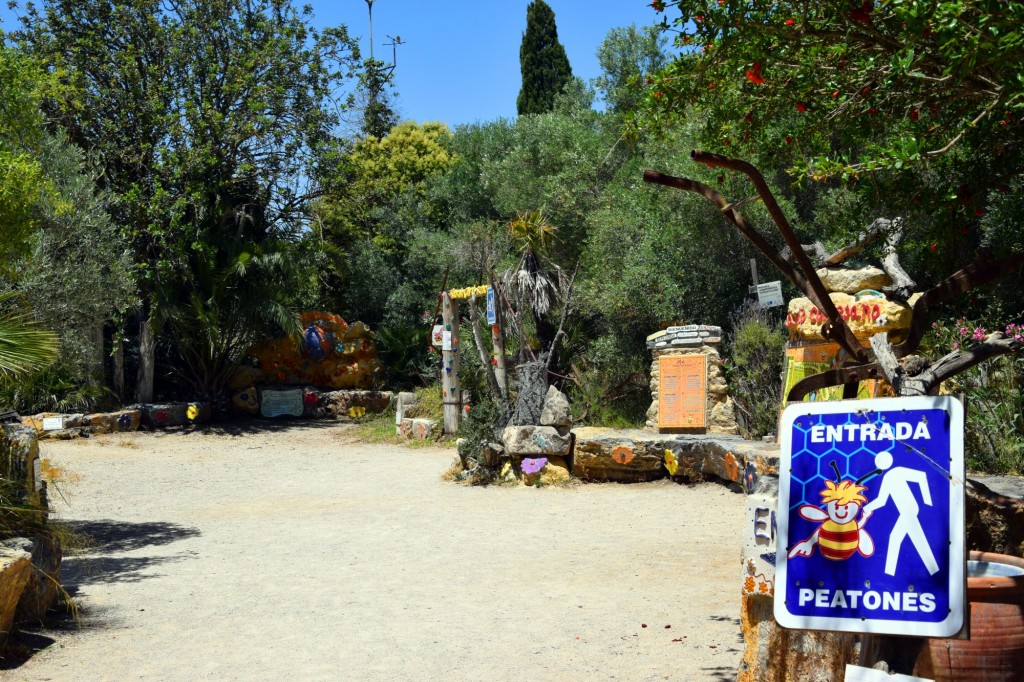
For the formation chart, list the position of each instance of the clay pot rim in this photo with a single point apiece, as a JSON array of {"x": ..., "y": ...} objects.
[{"x": 996, "y": 582}]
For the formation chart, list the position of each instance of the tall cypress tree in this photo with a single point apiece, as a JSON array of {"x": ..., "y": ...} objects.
[{"x": 542, "y": 60}]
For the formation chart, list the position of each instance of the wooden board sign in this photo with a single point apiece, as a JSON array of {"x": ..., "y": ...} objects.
[{"x": 682, "y": 392}]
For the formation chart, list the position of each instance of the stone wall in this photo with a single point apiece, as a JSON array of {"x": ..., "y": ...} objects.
[
  {"x": 695, "y": 340},
  {"x": 29, "y": 568}
]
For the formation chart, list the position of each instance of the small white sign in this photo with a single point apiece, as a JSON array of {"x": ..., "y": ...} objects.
[
  {"x": 435, "y": 335},
  {"x": 274, "y": 403},
  {"x": 769, "y": 294},
  {"x": 686, "y": 328},
  {"x": 446, "y": 340},
  {"x": 53, "y": 423}
]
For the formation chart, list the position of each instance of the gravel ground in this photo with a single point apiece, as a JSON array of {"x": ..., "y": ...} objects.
[{"x": 294, "y": 553}]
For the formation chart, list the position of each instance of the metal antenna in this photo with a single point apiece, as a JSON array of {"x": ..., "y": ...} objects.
[{"x": 395, "y": 42}]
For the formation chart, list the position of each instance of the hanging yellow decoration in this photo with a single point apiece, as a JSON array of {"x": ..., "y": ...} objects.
[{"x": 468, "y": 292}]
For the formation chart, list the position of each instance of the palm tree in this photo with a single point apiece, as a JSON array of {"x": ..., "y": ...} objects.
[
  {"x": 530, "y": 280},
  {"x": 230, "y": 301},
  {"x": 24, "y": 346}
]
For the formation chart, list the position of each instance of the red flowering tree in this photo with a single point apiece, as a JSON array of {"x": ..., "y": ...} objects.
[{"x": 857, "y": 86}]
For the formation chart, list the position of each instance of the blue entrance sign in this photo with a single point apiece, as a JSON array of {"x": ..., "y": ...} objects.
[
  {"x": 871, "y": 517},
  {"x": 492, "y": 316}
]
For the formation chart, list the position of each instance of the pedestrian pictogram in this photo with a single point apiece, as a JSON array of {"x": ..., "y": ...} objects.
[{"x": 871, "y": 517}]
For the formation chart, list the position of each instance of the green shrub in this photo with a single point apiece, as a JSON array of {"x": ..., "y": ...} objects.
[
  {"x": 755, "y": 373},
  {"x": 57, "y": 388}
]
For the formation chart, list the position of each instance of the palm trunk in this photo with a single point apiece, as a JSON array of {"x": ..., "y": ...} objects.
[{"x": 147, "y": 362}]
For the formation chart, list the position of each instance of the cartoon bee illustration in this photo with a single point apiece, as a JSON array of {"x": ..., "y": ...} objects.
[{"x": 840, "y": 534}]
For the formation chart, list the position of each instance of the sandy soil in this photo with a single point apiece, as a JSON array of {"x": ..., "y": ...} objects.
[{"x": 295, "y": 554}]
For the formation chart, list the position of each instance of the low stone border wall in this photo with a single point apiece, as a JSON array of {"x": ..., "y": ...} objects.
[
  {"x": 62, "y": 426},
  {"x": 29, "y": 567},
  {"x": 631, "y": 456},
  {"x": 343, "y": 405},
  {"x": 411, "y": 427}
]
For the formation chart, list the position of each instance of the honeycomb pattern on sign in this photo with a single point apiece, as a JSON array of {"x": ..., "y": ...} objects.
[{"x": 806, "y": 490}]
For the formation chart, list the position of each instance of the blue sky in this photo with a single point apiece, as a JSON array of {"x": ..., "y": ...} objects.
[{"x": 460, "y": 63}]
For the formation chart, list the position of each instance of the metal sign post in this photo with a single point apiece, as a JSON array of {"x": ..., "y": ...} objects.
[{"x": 871, "y": 517}]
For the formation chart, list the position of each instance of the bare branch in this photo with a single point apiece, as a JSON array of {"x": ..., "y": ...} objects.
[
  {"x": 835, "y": 329},
  {"x": 733, "y": 216},
  {"x": 959, "y": 361},
  {"x": 565, "y": 313}
]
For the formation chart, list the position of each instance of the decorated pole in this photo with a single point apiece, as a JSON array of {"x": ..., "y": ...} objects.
[
  {"x": 494, "y": 318},
  {"x": 450, "y": 363}
]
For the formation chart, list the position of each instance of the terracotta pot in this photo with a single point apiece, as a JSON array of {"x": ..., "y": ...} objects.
[{"x": 995, "y": 651}]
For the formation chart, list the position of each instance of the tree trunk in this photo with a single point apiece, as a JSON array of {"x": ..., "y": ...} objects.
[
  {"x": 96, "y": 361},
  {"x": 119, "y": 387},
  {"x": 532, "y": 380},
  {"x": 147, "y": 362},
  {"x": 478, "y": 338}
]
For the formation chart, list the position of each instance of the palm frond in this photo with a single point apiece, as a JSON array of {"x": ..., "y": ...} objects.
[{"x": 24, "y": 345}]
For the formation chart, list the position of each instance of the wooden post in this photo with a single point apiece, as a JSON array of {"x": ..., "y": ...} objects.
[
  {"x": 498, "y": 341},
  {"x": 450, "y": 366}
]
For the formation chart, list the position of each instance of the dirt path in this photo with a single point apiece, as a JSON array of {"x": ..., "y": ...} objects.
[{"x": 293, "y": 555}]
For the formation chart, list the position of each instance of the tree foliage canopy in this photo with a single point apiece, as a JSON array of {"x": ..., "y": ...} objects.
[
  {"x": 542, "y": 60},
  {"x": 857, "y": 86}
]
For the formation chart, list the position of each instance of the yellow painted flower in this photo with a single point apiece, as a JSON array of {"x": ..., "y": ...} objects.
[
  {"x": 671, "y": 462},
  {"x": 192, "y": 412}
]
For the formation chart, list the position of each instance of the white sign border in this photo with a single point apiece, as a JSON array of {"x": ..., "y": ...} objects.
[{"x": 954, "y": 622}]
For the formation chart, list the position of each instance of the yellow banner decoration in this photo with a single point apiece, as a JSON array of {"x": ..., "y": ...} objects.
[{"x": 468, "y": 292}]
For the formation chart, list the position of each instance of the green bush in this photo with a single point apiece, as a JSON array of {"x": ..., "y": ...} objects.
[
  {"x": 755, "y": 372},
  {"x": 994, "y": 394},
  {"x": 57, "y": 388}
]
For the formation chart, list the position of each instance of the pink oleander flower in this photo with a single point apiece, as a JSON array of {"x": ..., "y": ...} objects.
[
  {"x": 956, "y": 345},
  {"x": 979, "y": 334},
  {"x": 962, "y": 331}
]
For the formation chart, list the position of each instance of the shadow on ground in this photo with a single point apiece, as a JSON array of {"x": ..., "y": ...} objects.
[
  {"x": 96, "y": 564},
  {"x": 734, "y": 621},
  {"x": 104, "y": 538},
  {"x": 249, "y": 427},
  {"x": 107, "y": 536},
  {"x": 721, "y": 672}
]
